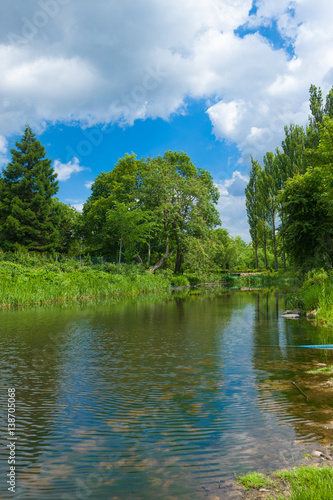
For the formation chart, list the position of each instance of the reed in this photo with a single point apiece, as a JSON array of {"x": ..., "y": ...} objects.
[{"x": 26, "y": 285}]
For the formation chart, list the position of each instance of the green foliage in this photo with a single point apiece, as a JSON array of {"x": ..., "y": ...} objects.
[
  {"x": 153, "y": 208},
  {"x": 307, "y": 221},
  {"x": 303, "y": 483},
  {"x": 308, "y": 483},
  {"x": 28, "y": 213},
  {"x": 316, "y": 292},
  {"x": 293, "y": 301},
  {"x": 255, "y": 480},
  {"x": 192, "y": 278},
  {"x": 325, "y": 370},
  {"x": 180, "y": 280},
  {"x": 252, "y": 203},
  {"x": 49, "y": 282}
]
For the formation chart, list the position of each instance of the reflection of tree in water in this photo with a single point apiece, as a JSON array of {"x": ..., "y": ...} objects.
[
  {"x": 279, "y": 361},
  {"x": 160, "y": 374},
  {"x": 32, "y": 347}
]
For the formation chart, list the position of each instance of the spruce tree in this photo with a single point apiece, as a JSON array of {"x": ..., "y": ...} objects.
[{"x": 27, "y": 210}]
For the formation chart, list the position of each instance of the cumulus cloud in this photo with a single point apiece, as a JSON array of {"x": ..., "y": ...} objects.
[
  {"x": 78, "y": 206},
  {"x": 3, "y": 151},
  {"x": 88, "y": 184},
  {"x": 68, "y": 61},
  {"x": 232, "y": 205},
  {"x": 65, "y": 170}
]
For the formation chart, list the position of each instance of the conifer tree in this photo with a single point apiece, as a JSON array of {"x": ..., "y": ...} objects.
[{"x": 27, "y": 210}]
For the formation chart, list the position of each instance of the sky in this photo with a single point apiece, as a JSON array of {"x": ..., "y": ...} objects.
[{"x": 217, "y": 79}]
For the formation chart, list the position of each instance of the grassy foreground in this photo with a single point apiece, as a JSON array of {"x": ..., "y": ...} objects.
[{"x": 302, "y": 483}]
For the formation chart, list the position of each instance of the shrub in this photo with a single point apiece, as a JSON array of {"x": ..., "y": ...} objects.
[
  {"x": 193, "y": 279},
  {"x": 180, "y": 280}
]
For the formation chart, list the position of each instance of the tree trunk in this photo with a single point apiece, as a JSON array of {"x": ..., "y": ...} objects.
[
  {"x": 256, "y": 248},
  {"x": 166, "y": 255},
  {"x": 138, "y": 260},
  {"x": 179, "y": 260}
]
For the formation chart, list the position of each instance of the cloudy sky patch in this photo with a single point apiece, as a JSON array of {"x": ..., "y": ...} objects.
[{"x": 71, "y": 63}]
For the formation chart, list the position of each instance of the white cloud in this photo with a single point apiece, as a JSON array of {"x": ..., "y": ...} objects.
[
  {"x": 3, "y": 151},
  {"x": 88, "y": 184},
  {"x": 65, "y": 170},
  {"x": 232, "y": 205},
  {"x": 65, "y": 61},
  {"x": 78, "y": 206}
]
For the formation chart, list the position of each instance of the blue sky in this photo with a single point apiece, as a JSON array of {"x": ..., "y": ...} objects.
[{"x": 217, "y": 79}]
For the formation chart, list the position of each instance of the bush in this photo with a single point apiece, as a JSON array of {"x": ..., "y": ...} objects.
[
  {"x": 193, "y": 279},
  {"x": 180, "y": 280}
]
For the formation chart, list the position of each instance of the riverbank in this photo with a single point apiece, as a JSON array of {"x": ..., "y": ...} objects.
[
  {"x": 313, "y": 478},
  {"x": 311, "y": 481},
  {"x": 31, "y": 279},
  {"x": 315, "y": 297},
  {"x": 22, "y": 285}
]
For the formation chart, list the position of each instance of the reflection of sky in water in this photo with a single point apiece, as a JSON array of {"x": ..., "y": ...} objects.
[{"x": 155, "y": 399}]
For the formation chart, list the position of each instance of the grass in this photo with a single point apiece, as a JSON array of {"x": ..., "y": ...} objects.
[
  {"x": 308, "y": 483},
  {"x": 316, "y": 292},
  {"x": 24, "y": 285},
  {"x": 326, "y": 370},
  {"x": 255, "y": 480},
  {"x": 302, "y": 483}
]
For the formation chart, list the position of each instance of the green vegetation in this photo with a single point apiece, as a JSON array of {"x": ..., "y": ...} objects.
[
  {"x": 308, "y": 483},
  {"x": 295, "y": 187},
  {"x": 39, "y": 281},
  {"x": 255, "y": 480},
  {"x": 28, "y": 215},
  {"x": 325, "y": 370},
  {"x": 302, "y": 483},
  {"x": 159, "y": 214},
  {"x": 316, "y": 293}
]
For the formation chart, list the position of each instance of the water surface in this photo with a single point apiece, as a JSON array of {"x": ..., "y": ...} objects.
[{"x": 159, "y": 398}]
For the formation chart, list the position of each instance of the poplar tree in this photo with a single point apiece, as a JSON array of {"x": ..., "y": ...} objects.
[
  {"x": 28, "y": 217},
  {"x": 253, "y": 204}
]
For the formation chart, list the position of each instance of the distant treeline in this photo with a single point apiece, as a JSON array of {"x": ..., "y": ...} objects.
[
  {"x": 153, "y": 212},
  {"x": 160, "y": 212}
]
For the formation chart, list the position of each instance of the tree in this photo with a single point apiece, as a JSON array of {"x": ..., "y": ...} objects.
[
  {"x": 176, "y": 197},
  {"x": 70, "y": 240},
  {"x": 318, "y": 112},
  {"x": 253, "y": 205},
  {"x": 263, "y": 209},
  {"x": 292, "y": 158},
  {"x": 28, "y": 218},
  {"x": 328, "y": 109},
  {"x": 307, "y": 220},
  {"x": 131, "y": 225},
  {"x": 273, "y": 182}
]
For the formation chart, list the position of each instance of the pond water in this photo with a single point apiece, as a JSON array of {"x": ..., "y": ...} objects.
[{"x": 158, "y": 397}]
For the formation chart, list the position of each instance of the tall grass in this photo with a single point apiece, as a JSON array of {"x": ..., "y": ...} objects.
[
  {"x": 25, "y": 285},
  {"x": 316, "y": 292},
  {"x": 308, "y": 483}
]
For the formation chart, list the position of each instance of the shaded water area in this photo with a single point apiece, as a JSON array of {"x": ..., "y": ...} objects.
[{"x": 159, "y": 397}]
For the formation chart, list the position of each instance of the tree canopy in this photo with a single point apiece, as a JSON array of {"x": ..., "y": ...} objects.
[
  {"x": 28, "y": 183},
  {"x": 170, "y": 199}
]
